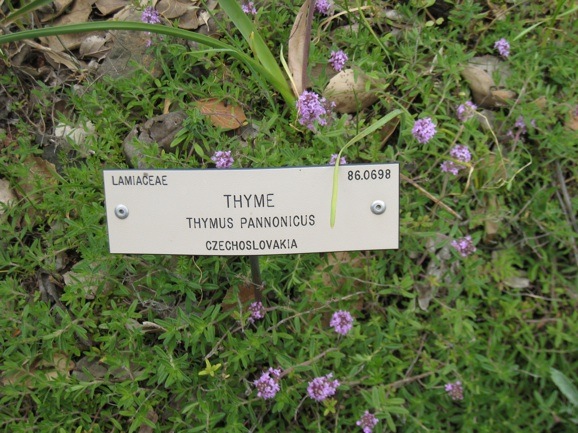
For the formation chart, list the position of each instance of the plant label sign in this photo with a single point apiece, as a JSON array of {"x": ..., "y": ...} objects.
[{"x": 252, "y": 211}]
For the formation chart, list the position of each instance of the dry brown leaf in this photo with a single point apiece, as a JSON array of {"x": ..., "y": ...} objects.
[
  {"x": 572, "y": 121},
  {"x": 79, "y": 13},
  {"x": 189, "y": 21},
  {"x": 221, "y": 115},
  {"x": 480, "y": 83},
  {"x": 95, "y": 46},
  {"x": 299, "y": 42},
  {"x": 348, "y": 90},
  {"x": 41, "y": 174},
  {"x": 478, "y": 74},
  {"x": 6, "y": 195},
  {"x": 151, "y": 416},
  {"x": 57, "y": 8},
  {"x": 517, "y": 282},
  {"x": 425, "y": 293},
  {"x": 244, "y": 295},
  {"x": 106, "y": 7},
  {"x": 59, "y": 365},
  {"x": 90, "y": 281},
  {"x": 492, "y": 223},
  {"x": 172, "y": 9}
]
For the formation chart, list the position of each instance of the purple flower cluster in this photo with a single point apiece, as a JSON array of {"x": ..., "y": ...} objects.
[
  {"x": 466, "y": 111},
  {"x": 312, "y": 108},
  {"x": 150, "y": 16},
  {"x": 338, "y": 59},
  {"x": 333, "y": 160},
  {"x": 503, "y": 47},
  {"x": 423, "y": 130},
  {"x": 322, "y": 387},
  {"x": 268, "y": 384},
  {"x": 519, "y": 129},
  {"x": 257, "y": 311},
  {"x": 223, "y": 159},
  {"x": 342, "y": 322},
  {"x": 462, "y": 154},
  {"x": 521, "y": 124},
  {"x": 455, "y": 390},
  {"x": 323, "y": 6},
  {"x": 367, "y": 422},
  {"x": 464, "y": 246},
  {"x": 249, "y": 8}
]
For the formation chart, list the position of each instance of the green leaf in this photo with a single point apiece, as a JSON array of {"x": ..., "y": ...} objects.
[
  {"x": 370, "y": 129},
  {"x": 210, "y": 370},
  {"x": 33, "y": 5},
  {"x": 565, "y": 385}
]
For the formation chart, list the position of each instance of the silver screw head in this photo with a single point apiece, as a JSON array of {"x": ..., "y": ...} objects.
[
  {"x": 378, "y": 207},
  {"x": 121, "y": 211}
]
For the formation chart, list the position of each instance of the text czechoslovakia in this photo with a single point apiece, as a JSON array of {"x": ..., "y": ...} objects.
[{"x": 250, "y": 201}]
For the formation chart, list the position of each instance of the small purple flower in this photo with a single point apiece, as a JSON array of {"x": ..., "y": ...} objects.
[
  {"x": 465, "y": 246},
  {"x": 333, "y": 160},
  {"x": 367, "y": 422},
  {"x": 268, "y": 384},
  {"x": 150, "y": 16},
  {"x": 466, "y": 111},
  {"x": 450, "y": 167},
  {"x": 521, "y": 124},
  {"x": 342, "y": 322},
  {"x": 312, "y": 108},
  {"x": 249, "y": 8},
  {"x": 323, "y": 6},
  {"x": 503, "y": 47},
  {"x": 461, "y": 153},
  {"x": 322, "y": 387},
  {"x": 223, "y": 159},
  {"x": 423, "y": 130},
  {"x": 455, "y": 390},
  {"x": 257, "y": 311},
  {"x": 337, "y": 60}
]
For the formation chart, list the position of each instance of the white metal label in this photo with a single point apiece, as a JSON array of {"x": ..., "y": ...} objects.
[{"x": 252, "y": 211}]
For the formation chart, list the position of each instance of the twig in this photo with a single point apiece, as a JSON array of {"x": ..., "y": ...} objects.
[
  {"x": 402, "y": 382},
  {"x": 309, "y": 362},
  {"x": 566, "y": 203},
  {"x": 431, "y": 196}
]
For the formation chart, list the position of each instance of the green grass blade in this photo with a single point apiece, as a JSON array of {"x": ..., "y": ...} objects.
[
  {"x": 369, "y": 130},
  {"x": 565, "y": 386},
  {"x": 264, "y": 56},
  {"x": 35, "y": 4}
]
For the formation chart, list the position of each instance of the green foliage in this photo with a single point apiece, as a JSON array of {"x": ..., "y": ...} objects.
[{"x": 126, "y": 342}]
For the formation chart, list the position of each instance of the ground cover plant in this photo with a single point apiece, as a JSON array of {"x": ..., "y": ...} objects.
[{"x": 470, "y": 326}]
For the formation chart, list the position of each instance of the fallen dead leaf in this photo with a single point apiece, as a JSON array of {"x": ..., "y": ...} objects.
[
  {"x": 185, "y": 12},
  {"x": 6, "y": 195},
  {"x": 90, "y": 277},
  {"x": 572, "y": 120},
  {"x": 492, "y": 223},
  {"x": 57, "y": 7},
  {"x": 349, "y": 91},
  {"x": 299, "y": 42},
  {"x": 222, "y": 116},
  {"x": 79, "y": 13},
  {"x": 479, "y": 76},
  {"x": 95, "y": 46},
  {"x": 152, "y": 417},
  {"x": 244, "y": 294},
  {"x": 517, "y": 282},
  {"x": 106, "y": 7},
  {"x": 41, "y": 174}
]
